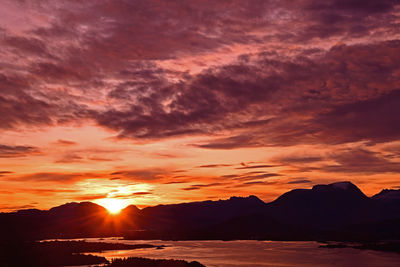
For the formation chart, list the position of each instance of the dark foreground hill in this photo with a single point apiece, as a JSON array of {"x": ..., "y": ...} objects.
[
  {"x": 338, "y": 211},
  {"x": 75, "y": 253}
]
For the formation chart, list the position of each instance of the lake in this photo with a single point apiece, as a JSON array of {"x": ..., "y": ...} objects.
[{"x": 254, "y": 253}]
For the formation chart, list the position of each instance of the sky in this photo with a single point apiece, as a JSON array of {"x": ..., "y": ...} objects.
[{"x": 151, "y": 102}]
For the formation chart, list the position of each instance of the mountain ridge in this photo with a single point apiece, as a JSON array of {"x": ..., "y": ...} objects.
[{"x": 323, "y": 212}]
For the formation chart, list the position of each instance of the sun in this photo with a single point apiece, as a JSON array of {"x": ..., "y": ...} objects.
[{"x": 113, "y": 205}]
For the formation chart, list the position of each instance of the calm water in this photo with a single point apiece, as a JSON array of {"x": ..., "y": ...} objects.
[{"x": 254, "y": 253}]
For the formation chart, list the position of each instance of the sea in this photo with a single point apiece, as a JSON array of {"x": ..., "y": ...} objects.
[{"x": 251, "y": 253}]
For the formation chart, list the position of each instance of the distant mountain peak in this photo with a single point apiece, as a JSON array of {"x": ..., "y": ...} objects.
[
  {"x": 388, "y": 194},
  {"x": 77, "y": 205},
  {"x": 345, "y": 185},
  {"x": 339, "y": 191},
  {"x": 342, "y": 187},
  {"x": 131, "y": 208},
  {"x": 249, "y": 198}
]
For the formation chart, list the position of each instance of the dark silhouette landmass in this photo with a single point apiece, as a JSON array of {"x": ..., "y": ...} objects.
[
  {"x": 389, "y": 246},
  {"x": 69, "y": 253},
  {"x": 143, "y": 262},
  {"x": 338, "y": 212},
  {"x": 57, "y": 253}
]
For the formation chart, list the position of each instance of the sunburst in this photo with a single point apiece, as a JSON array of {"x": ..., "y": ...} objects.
[{"x": 113, "y": 205}]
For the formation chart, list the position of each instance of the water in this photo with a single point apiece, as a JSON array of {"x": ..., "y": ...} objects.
[{"x": 254, "y": 253}]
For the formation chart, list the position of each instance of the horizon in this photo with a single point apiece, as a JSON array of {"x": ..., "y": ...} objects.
[
  {"x": 121, "y": 208},
  {"x": 144, "y": 103}
]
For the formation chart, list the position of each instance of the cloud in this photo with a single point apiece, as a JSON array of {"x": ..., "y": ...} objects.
[
  {"x": 248, "y": 176},
  {"x": 232, "y": 142},
  {"x": 256, "y": 176},
  {"x": 301, "y": 181},
  {"x": 141, "y": 193},
  {"x": 109, "y": 66},
  {"x": 238, "y": 74},
  {"x": 255, "y": 166},
  {"x": 371, "y": 120},
  {"x": 200, "y": 186},
  {"x": 21, "y": 45},
  {"x": 86, "y": 155},
  {"x": 10, "y": 208},
  {"x": 361, "y": 161},
  {"x": 7, "y": 151},
  {"x": 69, "y": 158},
  {"x": 5, "y": 192},
  {"x": 56, "y": 177},
  {"x": 343, "y": 96},
  {"x": 298, "y": 159},
  {"x": 4, "y": 173},
  {"x": 48, "y": 192},
  {"x": 90, "y": 197},
  {"x": 214, "y": 166},
  {"x": 143, "y": 175},
  {"x": 62, "y": 142}
]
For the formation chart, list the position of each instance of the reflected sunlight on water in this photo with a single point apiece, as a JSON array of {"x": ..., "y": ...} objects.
[{"x": 253, "y": 253}]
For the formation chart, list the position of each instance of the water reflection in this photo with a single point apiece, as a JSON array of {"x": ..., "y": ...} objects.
[{"x": 255, "y": 253}]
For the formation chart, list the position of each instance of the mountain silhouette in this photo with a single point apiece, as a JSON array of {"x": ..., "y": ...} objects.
[
  {"x": 388, "y": 195},
  {"x": 338, "y": 211},
  {"x": 323, "y": 206},
  {"x": 83, "y": 219}
]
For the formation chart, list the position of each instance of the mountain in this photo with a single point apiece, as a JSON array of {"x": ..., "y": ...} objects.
[
  {"x": 338, "y": 211},
  {"x": 181, "y": 221},
  {"x": 83, "y": 219},
  {"x": 388, "y": 201},
  {"x": 388, "y": 195},
  {"x": 323, "y": 212},
  {"x": 324, "y": 206}
]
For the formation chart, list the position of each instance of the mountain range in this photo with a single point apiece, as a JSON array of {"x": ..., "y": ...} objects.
[{"x": 338, "y": 211}]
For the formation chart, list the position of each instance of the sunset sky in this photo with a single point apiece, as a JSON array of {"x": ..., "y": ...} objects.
[{"x": 153, "y": 102}]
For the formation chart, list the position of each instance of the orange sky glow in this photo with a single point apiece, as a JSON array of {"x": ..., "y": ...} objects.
[{"x": 148, "y": 103}]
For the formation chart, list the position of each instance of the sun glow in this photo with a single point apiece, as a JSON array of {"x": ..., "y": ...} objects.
[{"x": 113, "y": 205}]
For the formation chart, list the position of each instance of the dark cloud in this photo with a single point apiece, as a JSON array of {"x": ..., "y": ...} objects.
[
  {"x": 65, "y": 142},
  {"x": 85, "y": 155},
  {"x": 302, "y": 181},
  {"x": 48, "y": 192},
  {"x": 232, "y": 142},
  {"x": 69, "y": 158},
  {"x": 350, "y": 160},
  {"x": 143, "y": 175},
  {"x": 107, "y": 66},
  {"x": 200, "y": 186},
  {"x": 353, "y": 18},
  {"x": 345, "y": 96},
  {"x": 256, "y": 176},
  {"x": 255, "y": 166},
  {"x": 373, "y": 120},
  {"x": 23, "y": 103},
  {"x": 104, "y": 159},
  {"x": 298, "y": 159},
  {"x": 7, "y": 151},
  {"x": 214, "y": 166},
  {"x": 248, "y": 176},
  {"x": 255, "y": 183},
  {"x": 16, "y": 207},
  {"x": 23, "y": 46},
  {"x": 361, "y": 161},
  {"x": 55, "y": 177}
]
